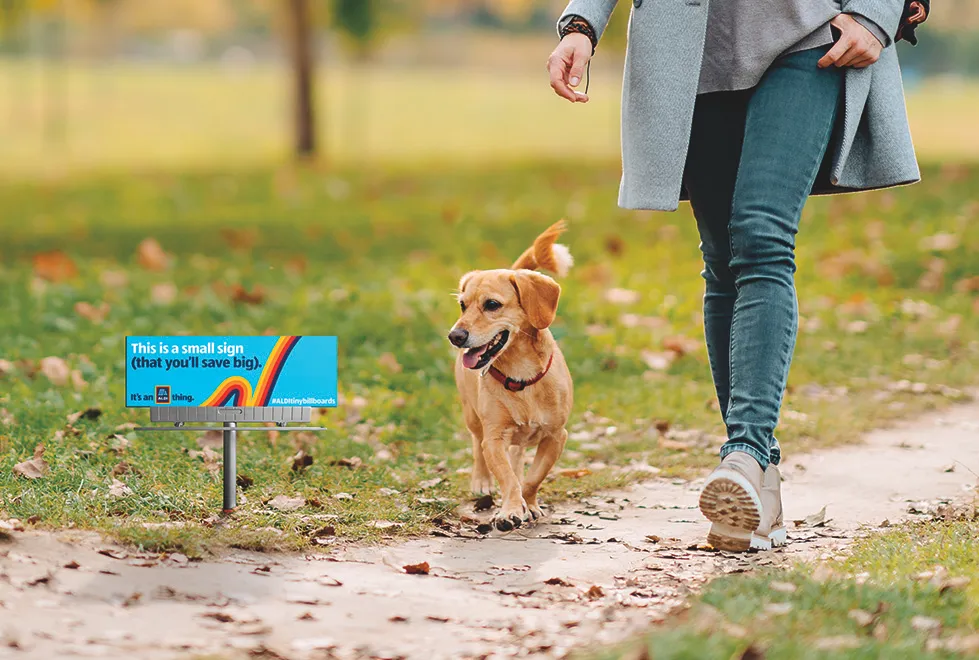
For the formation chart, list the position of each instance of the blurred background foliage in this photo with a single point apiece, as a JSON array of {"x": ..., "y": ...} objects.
[{"x": 109, "y": 83}]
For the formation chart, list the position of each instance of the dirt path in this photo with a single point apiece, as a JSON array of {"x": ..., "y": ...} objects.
[{"x": 484, "y": 597}]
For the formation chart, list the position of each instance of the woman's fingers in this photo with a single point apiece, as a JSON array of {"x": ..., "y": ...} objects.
[
  {"x": 834, "y": 54},
  {"x": 557, "y": 68}
]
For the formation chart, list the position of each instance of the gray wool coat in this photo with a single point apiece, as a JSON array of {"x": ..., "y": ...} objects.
[{"x": 871, "y": 146}]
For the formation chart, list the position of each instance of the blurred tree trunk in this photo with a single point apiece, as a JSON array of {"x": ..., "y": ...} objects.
[{"x": 300, "y": 33}]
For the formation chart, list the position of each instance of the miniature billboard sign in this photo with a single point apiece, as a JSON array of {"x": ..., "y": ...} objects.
[{"x": 231, "y": 371}]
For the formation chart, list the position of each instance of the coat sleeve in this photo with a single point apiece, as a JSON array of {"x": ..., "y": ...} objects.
[
  {"x": 886, "y": 14},
  {"x": 596, "y": 12}
]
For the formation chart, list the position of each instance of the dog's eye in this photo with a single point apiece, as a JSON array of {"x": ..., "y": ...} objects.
[
  {"x": 492, "y": 305},
  {"x": 462, "y": 305}
]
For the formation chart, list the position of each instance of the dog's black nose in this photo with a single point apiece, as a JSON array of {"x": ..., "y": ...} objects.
[{"x": 459, "y": 337}]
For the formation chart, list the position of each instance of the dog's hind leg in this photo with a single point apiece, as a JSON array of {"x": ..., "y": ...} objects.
[{"x": 548, "y": 451}]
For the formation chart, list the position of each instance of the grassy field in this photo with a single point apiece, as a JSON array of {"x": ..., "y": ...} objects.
[
  {"x": 129, "y": 115},
  {"x": 909, "y": 593},
  {"x": 889, "y": 328}
]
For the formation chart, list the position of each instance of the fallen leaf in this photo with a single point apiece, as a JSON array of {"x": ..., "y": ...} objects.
[
  {"x": 417, "y": 569},
  {"x": 783, "y": 587},
  {"x": 91, "y": 312},
  {"x": 389, "y": 362},
  {"x": 621, "y": 296},
  {"x": 72, "y": 565},
  {"x": 681, "y": 345},
  {"x": 240, "y": 294},
  {"x": 388, "y": 491},
  {"x": 384, "y": 524},
  {"x": 151, "y": 255},
  {"x": 89, "y": 414},
  {"x": 941, "y": 242},
  {"x": 306, "y": 616},
  {"x": 113, "y": 279},
  {"x": 212, "y": 439},
  {"x": 56, "y": 370},
  {"x": 595, "y": 592},
  {"x": 119, "y": 489},
  {"x": 560, "y": 582},
  {"x": 483, "y": 503},
  {"x": 862, "y": 618},
  {"x": 54, "y": 266},
  {"x": 327, "y": 581},
  {"x": 163, "y": 293},
  {"x": 353, "y": 462},
  {"x": 657, "y": 361},
  {"x": 430, "y": 483},
  {"x": 817, "y": 519},
  {"x": 575, "y": 474},
  {"x": 343, "y": 496},
  {"x": 33, "y": 468},
  {"x": 6, "y": 419},
  {"x": 397, "y": 618},
  {"x": 12, "y": 525},
  {"x": 286, "y": 503},
  {"x": 114, "y": 553},
  {"x": 926, "y": 624},
  {"x": 324, "y": 532},
  {"x": 838, "y": 643},
  {"x": 301, "y": 461}
]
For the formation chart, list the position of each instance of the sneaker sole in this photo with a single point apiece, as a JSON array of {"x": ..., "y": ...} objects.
[{"x": 729, "y": 501}]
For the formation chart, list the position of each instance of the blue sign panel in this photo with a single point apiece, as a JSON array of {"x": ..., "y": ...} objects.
[{"x": 231, "y": 371}]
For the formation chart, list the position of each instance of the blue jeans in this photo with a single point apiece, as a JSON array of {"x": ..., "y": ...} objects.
[{"x": 753, "y": 158}]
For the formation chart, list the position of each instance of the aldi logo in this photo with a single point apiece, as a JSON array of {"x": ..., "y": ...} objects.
[{"x": 162, "y": 394}]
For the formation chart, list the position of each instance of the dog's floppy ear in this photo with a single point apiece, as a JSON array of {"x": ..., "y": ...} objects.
[
  {"x": 538, "y": 295},
  {"x": 465, "y": 280}
]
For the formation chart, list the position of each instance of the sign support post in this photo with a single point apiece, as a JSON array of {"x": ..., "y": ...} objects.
[{"x": 230, "y": 466}]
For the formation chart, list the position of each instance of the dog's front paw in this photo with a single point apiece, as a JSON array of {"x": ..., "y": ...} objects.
[
  {"x": 481, "y": 484},
  {"x": 536, "y": 513},
  {"x": 511, "y": 516}
]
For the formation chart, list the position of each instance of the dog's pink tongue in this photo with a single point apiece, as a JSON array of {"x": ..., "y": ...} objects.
[{"x": 471, "y": 357}]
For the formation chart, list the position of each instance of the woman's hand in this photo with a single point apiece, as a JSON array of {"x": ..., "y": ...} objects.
[
  {"x": 857, "y": 46},
  {"x": 566, "y": 66}
]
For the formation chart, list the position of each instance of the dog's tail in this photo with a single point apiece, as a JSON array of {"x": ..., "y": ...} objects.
[{"x": 547, "y": 254}]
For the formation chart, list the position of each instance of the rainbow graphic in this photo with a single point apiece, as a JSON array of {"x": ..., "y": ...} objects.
[{"x": 237, "y": 390}]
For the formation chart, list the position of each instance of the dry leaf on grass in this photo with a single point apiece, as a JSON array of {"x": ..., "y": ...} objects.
[
  {"x": 926, "y": 624},
  {"x": 55, "y": 370},
  {"x": 941, "y": 242},
  {"x": 163, "y": 293},
  {"x": 430, "y": 483},
  {"x": 389, "y": 362},
  {"x": 384, "y": 524},
  {"x": 89, "y": 311},
  {"x": 681, "y": 345},
  {"x": 658, "y": 361},
  {"x": 838, "y": 643},
  {"x": 301, "y": 461},
  {"x": 211, "y": 439},
  {"x": 33, "y": 468},
  {"x": 353, "y": 462},
  {"x": 89, "y": 414},
  {"x": 240, "y": 294},
  {"x": 119, "y": 489},
  {"x": 621, "y": 296},
  {"x": 113, "y": 279},
  {"x": 151, "y": 255},
  {"x": 286, "y": 503},
  {"x": 54, "y": 266},
  {"x": 6, "y": 419}
]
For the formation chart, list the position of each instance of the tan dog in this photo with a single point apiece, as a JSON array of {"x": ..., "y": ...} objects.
[{"x": 514, "y": 383}]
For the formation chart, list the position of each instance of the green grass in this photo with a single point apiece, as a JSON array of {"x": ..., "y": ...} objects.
[
  {"x": 373, "y": 256},
  {"x": 908, "y": 593}
]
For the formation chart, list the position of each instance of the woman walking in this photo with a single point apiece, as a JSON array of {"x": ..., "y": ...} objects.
[{"x": 745, "y": 108}]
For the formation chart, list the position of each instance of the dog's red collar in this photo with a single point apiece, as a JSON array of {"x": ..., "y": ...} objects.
[{"x": 519, "y": 385}]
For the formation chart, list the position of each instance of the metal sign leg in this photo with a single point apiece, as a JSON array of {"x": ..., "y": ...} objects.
[{"x": 230, "y": 466}]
